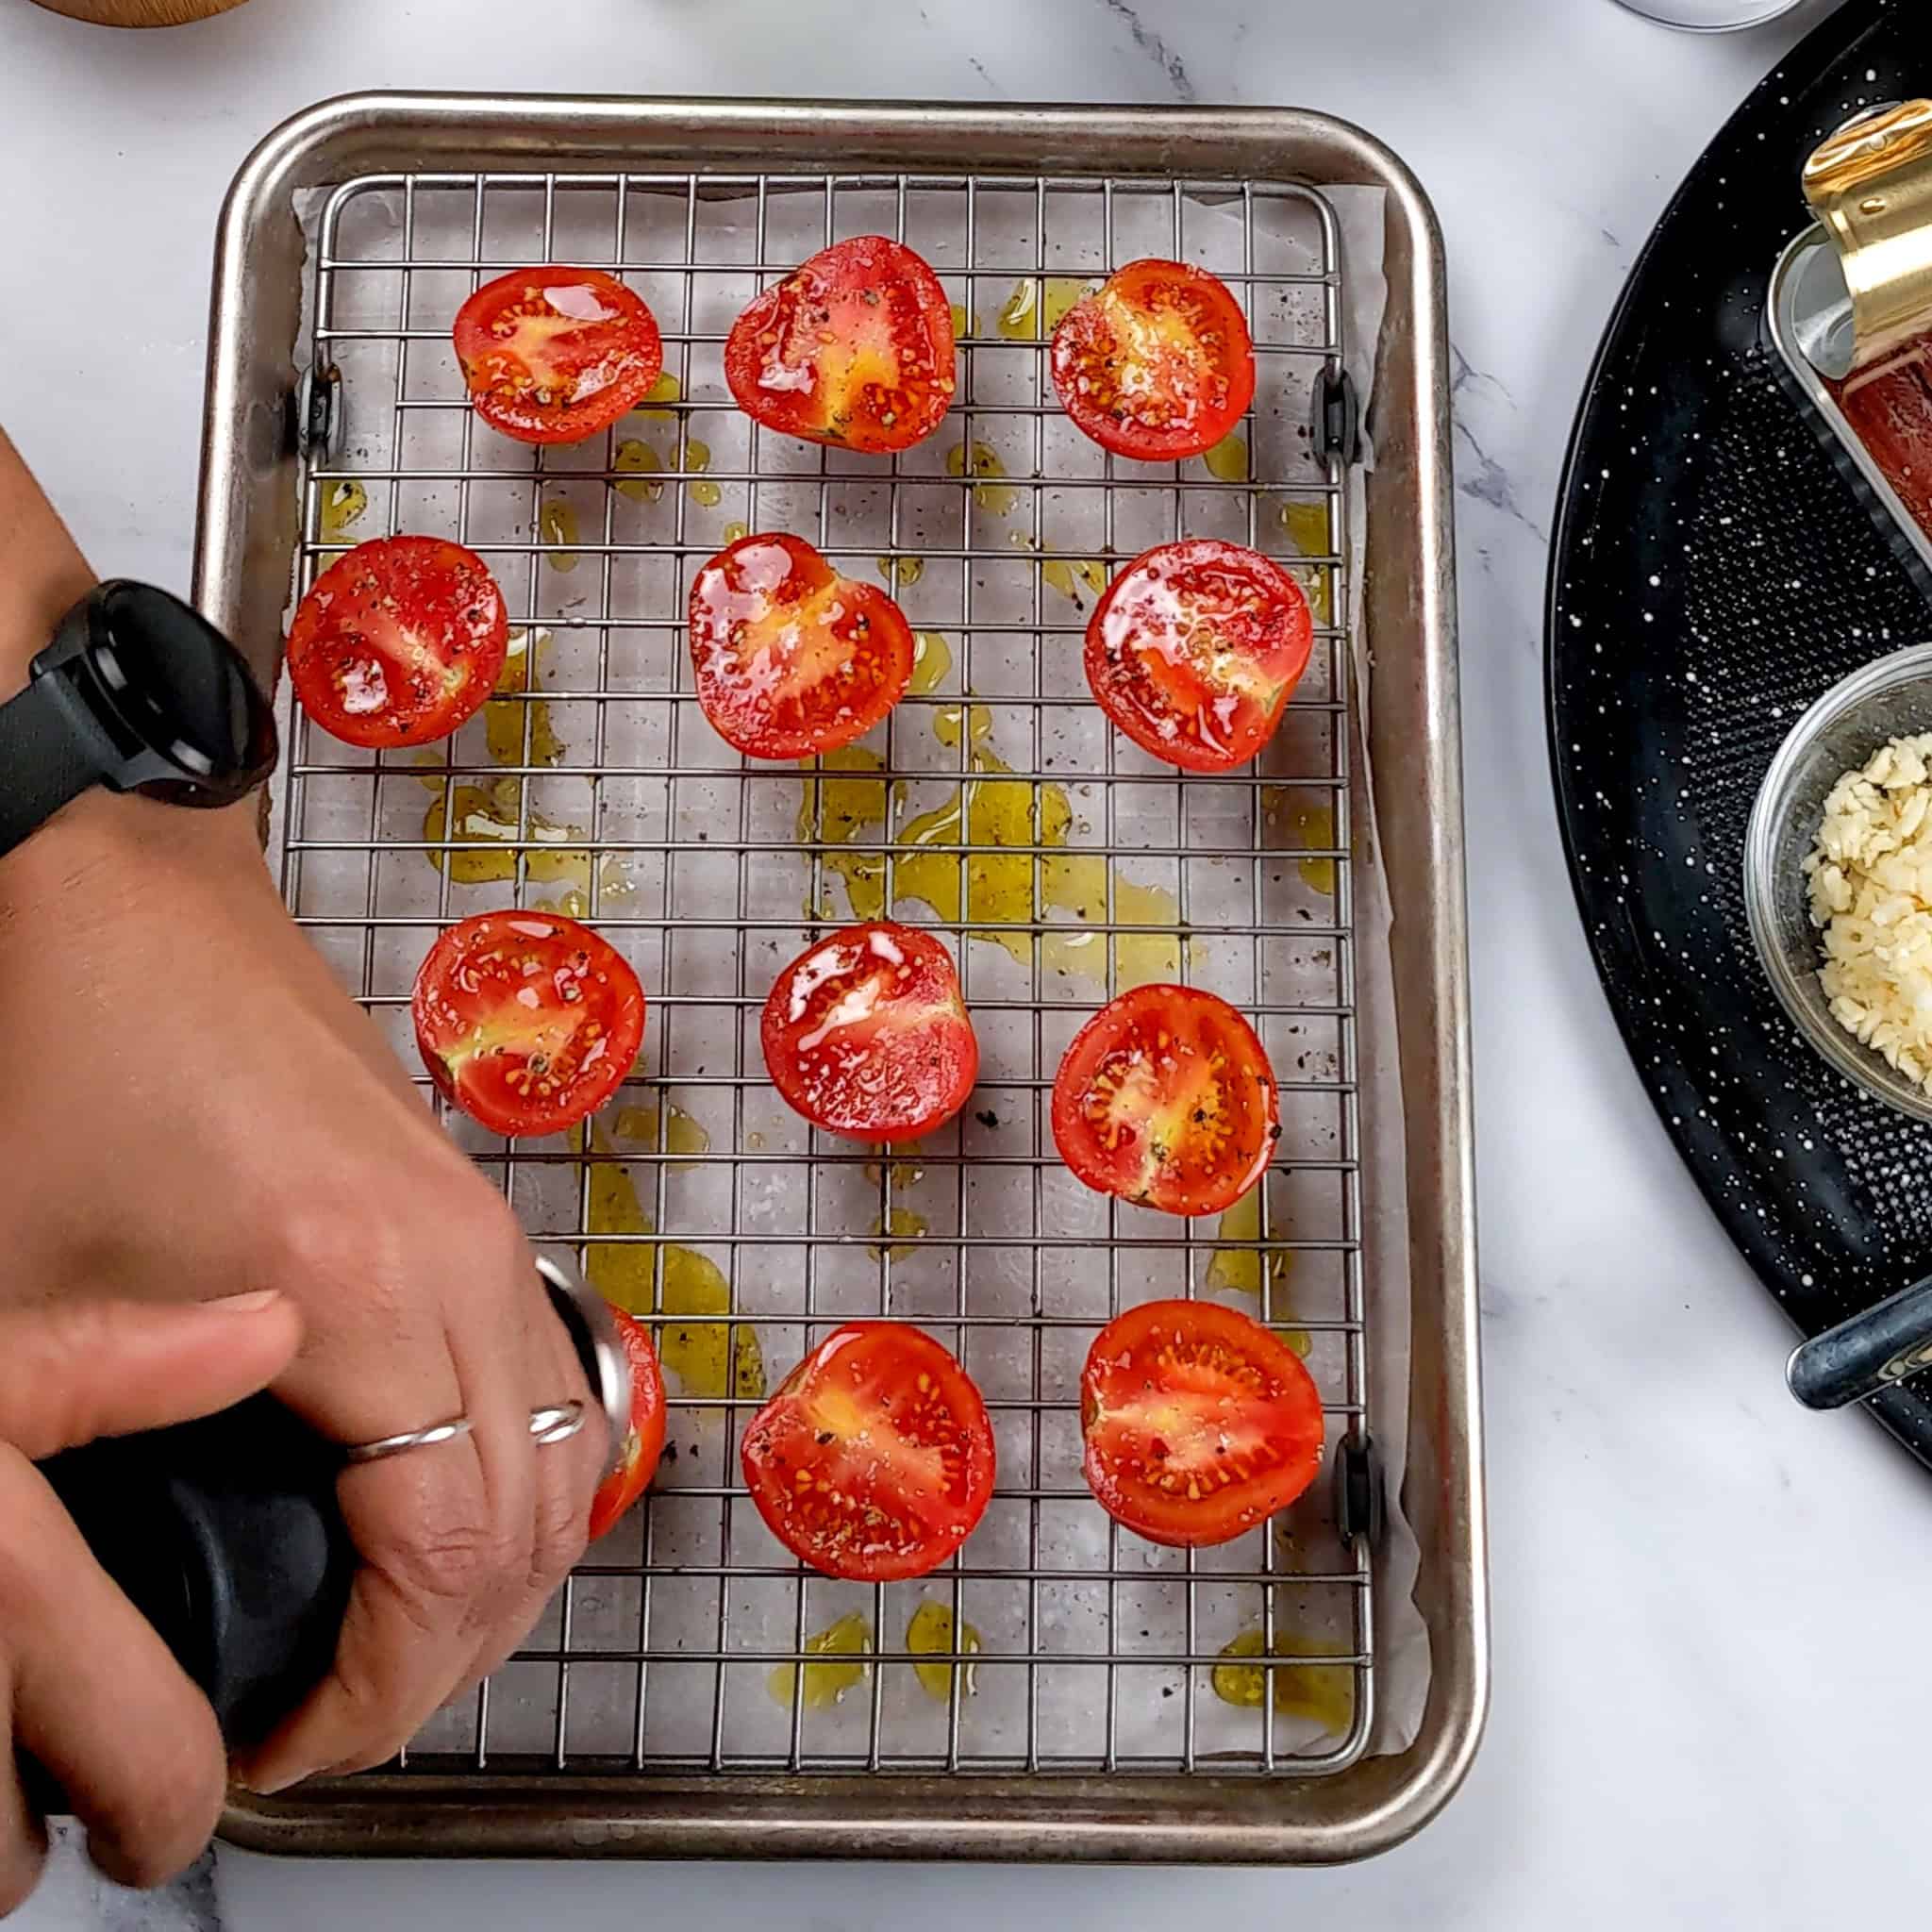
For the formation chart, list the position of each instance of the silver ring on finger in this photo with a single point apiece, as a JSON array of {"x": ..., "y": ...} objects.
[
  {"x": 386, "y": 1446},
  {"x": 557, "y": 1422}
]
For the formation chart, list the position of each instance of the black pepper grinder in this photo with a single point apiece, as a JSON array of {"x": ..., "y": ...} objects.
[{"x": 225, "y": 1535}]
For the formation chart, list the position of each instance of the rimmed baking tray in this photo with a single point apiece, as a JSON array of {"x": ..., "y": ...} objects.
[{"x": 658, "y": 1710}]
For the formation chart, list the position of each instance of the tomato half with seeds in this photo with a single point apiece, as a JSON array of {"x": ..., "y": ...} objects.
[
  {"x": 1166, "y": 1098},
  {"x": 790, "y": 657},
  {"x": 399, "y": 641},
  {"x": 853, "y": 348},
  {"x": 556, "y": 354},
  {"x": 1196, "y": 648},
  {"x": 866, "y": 1034},
  {"x": 526, "y": 1020},
  {"x": 644, "y": 1444},
  {"x": 1157, "y": 363},
  {"x": 1198, "y": 1423},
  {"x": 875, "y": 1460}
]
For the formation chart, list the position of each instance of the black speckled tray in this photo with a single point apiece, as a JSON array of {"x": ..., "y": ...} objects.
[{"x": 1712, "y": 572}]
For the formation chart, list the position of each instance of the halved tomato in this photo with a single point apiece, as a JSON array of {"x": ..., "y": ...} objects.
[
  {"x": 866, "y": 1034},
  {"x": 854, "y": 348},
  {"x": 1157, "y": 363},
  {"x": 556, "y": 354},
  {"x": 645, "y": 1442},
  {"x": 526, "y": 1020},
  {"x": 1198, "y": 1423},
  {"x": 1194, "y": 650},
  {"x": 399, "y": 641},
  {"x": 1166, "y": 1098},
  {"x": 875, "y": 1460},
  {"x": 791, "y": 658}
]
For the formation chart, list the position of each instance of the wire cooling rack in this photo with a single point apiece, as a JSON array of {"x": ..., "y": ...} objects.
[{"x": 995, "y": 805}]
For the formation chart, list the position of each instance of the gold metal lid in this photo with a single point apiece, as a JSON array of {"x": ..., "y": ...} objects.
[{"x": 1871, "y": 187}]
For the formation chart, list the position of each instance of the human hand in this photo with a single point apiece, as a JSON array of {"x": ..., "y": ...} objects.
[
  {"x": 194, "y": 1109},
  {"x": 86, "y": 1688}
]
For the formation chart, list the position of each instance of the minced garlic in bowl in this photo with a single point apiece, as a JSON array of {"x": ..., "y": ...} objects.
[{"x": 1870, "y": 872}]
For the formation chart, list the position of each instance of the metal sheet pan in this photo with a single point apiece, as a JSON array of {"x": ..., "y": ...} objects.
[{"x": 258, "y": 503}]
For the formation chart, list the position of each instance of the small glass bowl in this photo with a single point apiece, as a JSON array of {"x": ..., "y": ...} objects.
[
  {"x": 1707, "y": 16},
  {"x": 1891, "y": 698}
]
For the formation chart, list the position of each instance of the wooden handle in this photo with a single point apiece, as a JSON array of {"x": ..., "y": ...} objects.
[{"x": 137, "y": 12}]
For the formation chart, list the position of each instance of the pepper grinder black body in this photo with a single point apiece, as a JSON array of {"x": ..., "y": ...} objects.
[{"x": 226, "y": 1536}]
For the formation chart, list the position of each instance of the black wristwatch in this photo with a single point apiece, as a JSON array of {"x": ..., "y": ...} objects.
[{"x": 138, "y": 692}]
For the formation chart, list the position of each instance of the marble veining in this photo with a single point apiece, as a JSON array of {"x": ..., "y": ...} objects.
[
  {"x": 1475, "y": 395},
  {"x": 1156, "y": 49}
]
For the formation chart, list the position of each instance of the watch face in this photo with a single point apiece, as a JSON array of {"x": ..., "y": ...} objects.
[{"x": 182, "y": 693}]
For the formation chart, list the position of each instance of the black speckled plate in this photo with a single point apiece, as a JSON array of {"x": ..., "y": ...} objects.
[{"x": 1712, "y": 573}]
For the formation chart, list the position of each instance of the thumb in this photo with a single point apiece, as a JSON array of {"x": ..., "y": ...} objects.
[{"x": 87, "y": 1368}]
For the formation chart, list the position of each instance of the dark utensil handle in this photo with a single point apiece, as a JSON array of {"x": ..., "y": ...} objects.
[{"x": 1860, "y": 1356}]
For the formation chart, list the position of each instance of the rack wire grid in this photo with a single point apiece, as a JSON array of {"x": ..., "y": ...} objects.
[{"x": 994, "y": 806}]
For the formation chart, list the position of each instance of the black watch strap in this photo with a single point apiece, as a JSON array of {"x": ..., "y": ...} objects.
[
  {"x": 50, "y": 752},
  {"x": 135, "y": 691}
]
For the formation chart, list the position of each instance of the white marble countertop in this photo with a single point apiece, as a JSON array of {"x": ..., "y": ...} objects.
[{"x": 1706, "y": 1605}]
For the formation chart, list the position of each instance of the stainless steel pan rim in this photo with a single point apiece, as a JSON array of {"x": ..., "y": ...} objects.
[{"x": 247, "y": 539}]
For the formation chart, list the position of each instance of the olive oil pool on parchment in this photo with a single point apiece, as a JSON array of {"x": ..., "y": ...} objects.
[
  {"x": 839, "y": 1655},
  {"x": 930, "y": 1635},
  {"x": 481, "y": 823},
  {"x": 662, "y": 1281},
  {"x": 1323, "y": 1693},
  {"x": 898, "y": 1231},
  {"x": 640, "y": 461},
  {"x": 839, "y": 1659},
  {"x": 995, "y": 893},
  {"x": 1034, "y": 309}
]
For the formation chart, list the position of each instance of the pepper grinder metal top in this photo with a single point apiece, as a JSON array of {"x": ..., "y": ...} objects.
[{"x": 594, "y": 1334}]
